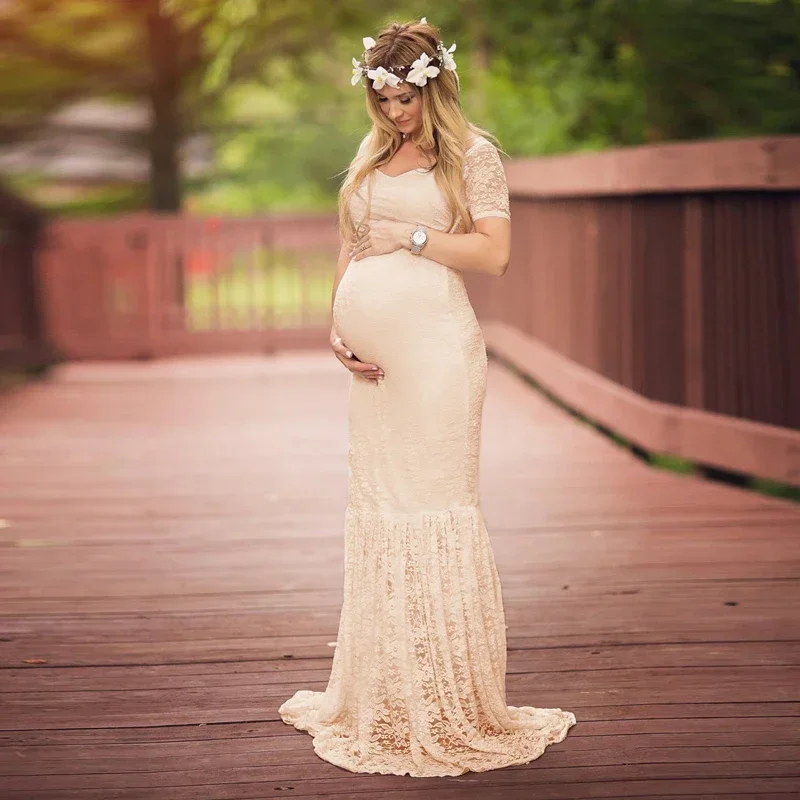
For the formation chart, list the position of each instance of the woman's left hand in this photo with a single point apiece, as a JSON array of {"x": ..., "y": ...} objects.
[{"x": 379, "y": 238}]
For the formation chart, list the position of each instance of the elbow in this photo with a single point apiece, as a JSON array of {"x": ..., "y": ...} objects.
[
  {"x": 500, "y": 265},
  {"x": 495, "y": 256},
  {"x": 502, "y": 258}
]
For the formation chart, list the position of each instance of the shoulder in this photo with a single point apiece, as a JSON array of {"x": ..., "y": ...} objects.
[
  {"x": 481, "y": 157},
  {"x": 480, "y": 150},
  {"x": 485, "y": 180},
  {"x": 475, "y": 142}
]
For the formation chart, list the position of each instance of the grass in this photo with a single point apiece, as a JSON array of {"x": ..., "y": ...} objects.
[
  {"x": 673, "y": 463},
  {"x": 261, "y": 289},
  {"x": 776, "y": 489}
]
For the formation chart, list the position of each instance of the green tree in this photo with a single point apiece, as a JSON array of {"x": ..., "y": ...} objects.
[
  {"x": 270, "y": 80},
  {"x": 177, "y": 56},
  {"x": 595, "y": 73}
]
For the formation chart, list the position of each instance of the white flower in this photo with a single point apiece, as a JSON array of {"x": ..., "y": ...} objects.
[
  {"x": 369, "y": 42},
  {"x": 424, "y": 21},
  {"x": 447, "y": 60},
  {"x": 357, "y": 72},
  {"x": 421, "y": 71},
  {"x": 380, "y": 76}
]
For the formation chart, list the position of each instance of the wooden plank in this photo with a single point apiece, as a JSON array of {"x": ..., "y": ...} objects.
[
  {"x": 204, "y": 586},
  {"x": 784, "y": 789},
  {"x": 302, "y": 780},
  {"x": 592, "y": 691},
  {"x": 524, "y": 657},
  {"x": 719, "y": 165}
]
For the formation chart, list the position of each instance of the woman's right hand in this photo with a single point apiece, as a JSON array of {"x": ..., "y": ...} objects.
[{"x": 371, "y": 372}]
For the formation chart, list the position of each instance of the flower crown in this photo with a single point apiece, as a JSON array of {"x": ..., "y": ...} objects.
[{"x": 423, "y": 68}]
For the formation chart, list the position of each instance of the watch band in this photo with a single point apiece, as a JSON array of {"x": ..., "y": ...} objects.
[{"x": 416, "y": 249}]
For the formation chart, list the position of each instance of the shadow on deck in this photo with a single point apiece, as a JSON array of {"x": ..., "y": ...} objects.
[{"x": 172, "y": 570}]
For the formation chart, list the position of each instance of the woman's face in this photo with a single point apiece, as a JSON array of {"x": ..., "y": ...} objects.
[{"x": 402, "y": 107}]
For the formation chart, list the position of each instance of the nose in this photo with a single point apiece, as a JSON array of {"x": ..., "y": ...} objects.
[{"x": 395, "y": 113}]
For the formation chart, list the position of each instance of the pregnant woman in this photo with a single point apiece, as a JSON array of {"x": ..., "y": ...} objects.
[{"x": 417, "y": 684}]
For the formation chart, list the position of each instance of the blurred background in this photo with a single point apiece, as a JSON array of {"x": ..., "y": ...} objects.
[
  {"x": 244, "y": 106},
  {"x": 240, "y": 106},
  {"x": 169, "y": 172}
]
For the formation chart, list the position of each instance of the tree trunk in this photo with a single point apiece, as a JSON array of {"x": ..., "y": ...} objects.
[{"x": 163, "y": 38}]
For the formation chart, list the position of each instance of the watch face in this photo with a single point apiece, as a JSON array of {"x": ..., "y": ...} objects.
[{"x": 419, "y": 237}]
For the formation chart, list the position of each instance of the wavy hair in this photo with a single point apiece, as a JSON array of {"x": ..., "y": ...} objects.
[{"x": 443, "y": 134}]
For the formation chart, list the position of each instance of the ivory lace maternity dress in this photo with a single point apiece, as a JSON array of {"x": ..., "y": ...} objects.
[{"x": 417, "y": 684}]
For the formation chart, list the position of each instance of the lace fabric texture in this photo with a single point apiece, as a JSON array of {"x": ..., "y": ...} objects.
[
  {"x": 485, "y": 182},
  {"x": 418, "y": 678},
  {"x": 417, "y": 684}
]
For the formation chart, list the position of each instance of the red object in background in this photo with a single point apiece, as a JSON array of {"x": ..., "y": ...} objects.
[{"x": 199, "y": 261}]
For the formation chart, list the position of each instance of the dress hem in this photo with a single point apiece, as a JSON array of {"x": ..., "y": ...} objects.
[{"x": 300, "y": 711}]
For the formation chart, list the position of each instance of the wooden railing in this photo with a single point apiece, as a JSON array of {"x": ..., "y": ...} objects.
[
  {"x": 148, "y": 285},
  {"x": 657, "y": 290}
]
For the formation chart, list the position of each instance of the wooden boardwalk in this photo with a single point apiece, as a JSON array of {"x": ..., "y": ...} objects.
[{"x": 171, "y": 565}]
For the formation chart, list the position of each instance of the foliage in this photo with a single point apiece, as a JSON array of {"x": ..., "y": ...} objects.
[
  {"x": 577, "y": 74},
  {"x": 179, "y": 58},
  {"x": 269, "y": 81}
]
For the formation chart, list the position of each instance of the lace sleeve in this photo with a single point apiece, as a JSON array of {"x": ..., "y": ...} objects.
[{"x": 485, "y": 182}]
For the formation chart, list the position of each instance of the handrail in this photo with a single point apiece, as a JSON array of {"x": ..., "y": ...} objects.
[{"x": 766, "y": 163}]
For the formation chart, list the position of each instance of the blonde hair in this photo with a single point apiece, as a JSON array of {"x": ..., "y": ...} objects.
[{"x": 443, "y": 134}]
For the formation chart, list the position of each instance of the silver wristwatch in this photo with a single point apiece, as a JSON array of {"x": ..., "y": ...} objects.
[{"x": 419, "y": 238}]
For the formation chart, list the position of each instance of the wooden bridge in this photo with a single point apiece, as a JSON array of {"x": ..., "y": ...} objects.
[
  {"x": 172, "y": 571},
  {"x": 171, "y": 527}
]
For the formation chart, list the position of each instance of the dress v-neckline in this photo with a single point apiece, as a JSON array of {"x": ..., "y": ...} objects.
[
  {"x": 423, "y": 169},
  {"x": 400, "y": 174}
]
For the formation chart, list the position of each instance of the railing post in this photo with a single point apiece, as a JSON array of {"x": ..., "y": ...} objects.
[
  {"x": 154, "y": 312},
  {"x": 693, "y": 302}
]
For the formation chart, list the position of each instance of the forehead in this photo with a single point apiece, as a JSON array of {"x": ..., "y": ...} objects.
[{"x": 389, "y": 91}]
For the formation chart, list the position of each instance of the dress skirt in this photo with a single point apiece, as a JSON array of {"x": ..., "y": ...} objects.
[{"x": 417, "y": 684}]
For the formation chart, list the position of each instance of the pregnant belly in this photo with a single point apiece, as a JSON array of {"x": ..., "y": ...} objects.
[{"x": 389, "y": 302}]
